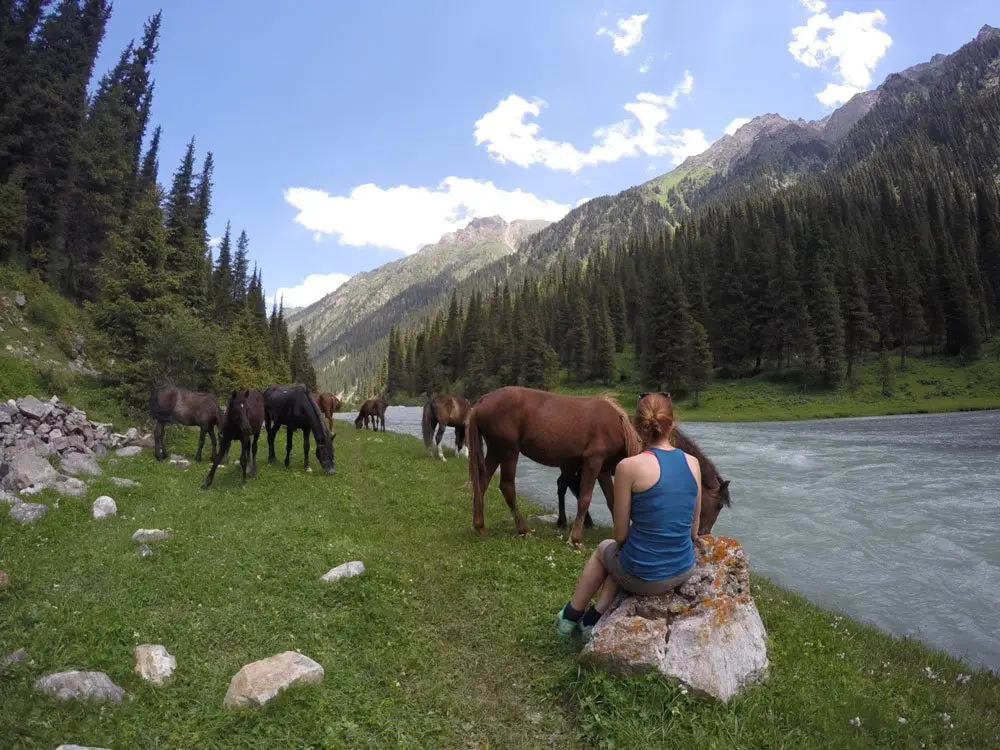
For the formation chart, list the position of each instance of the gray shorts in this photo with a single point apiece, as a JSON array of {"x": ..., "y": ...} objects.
[{"x": 609, "y": 556}]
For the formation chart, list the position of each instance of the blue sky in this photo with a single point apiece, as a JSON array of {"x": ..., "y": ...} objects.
[{"x": 347, "y": 134}]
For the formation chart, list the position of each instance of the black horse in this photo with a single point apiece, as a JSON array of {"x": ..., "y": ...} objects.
[
  {"x": 294, "y": 407},
  {"x": 244, "y": 418}
]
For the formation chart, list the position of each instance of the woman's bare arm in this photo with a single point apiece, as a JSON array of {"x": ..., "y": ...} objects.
[{"x": 623, "y": 501}]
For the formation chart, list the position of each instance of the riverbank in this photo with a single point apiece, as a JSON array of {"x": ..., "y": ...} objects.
[
  {"x": 929, "y": 385},
  {"x": 445, "y": 641}
]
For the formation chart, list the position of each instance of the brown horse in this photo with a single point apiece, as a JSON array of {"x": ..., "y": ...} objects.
[
  {"x": 244, "y": 418},
  {"x": 170, "y": 404},
  {"x": 372, "y": 413},
  {"x": 714, "y": 496},
  {"x": 591, "y": 433},
  {"x": 442, "y": 412},
  {"x": 328, "y": 404}
]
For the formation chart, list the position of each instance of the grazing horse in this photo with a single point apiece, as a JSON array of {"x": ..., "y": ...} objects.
[
  {"x": 328, "y": 404},
  {"x": 442, "y": 412},
  {"x": 244, "y": 418},
  {"x": 372, "y": 412},
  {"x": 295, "y": 408},
  {"x": 715, "y": 489},
  {"x": 170, "y": 404},
  {"x": 591, "y": 433}
]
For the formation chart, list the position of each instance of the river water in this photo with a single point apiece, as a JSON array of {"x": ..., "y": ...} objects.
[{"x": 894, "y": 521}]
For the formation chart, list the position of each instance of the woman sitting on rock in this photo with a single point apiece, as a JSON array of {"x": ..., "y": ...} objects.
[{"x": 656, "y": 510}]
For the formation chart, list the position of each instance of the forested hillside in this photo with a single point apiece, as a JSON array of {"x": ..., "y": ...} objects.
[
  {"x": 81, "y": 207},
  {"x": 893, "y": 244}
]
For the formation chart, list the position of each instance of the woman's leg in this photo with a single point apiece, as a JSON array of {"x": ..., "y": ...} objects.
[
  {"x": 594, "y": 575},
  {"x": 608, "y": 594}
]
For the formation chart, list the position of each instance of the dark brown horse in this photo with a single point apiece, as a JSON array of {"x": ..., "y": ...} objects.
[
  {"x": 169, "y": 404},
  {"x": 372, "y": 413},
  {"x": 243, "y": 420},
  {"x": 295, "y": 408},
  {"x": 442, "y": 412},
  {"x": 589, "y": 433},
  {"x": 714, "y": 495},
  {"x": 328, "y": 404}
]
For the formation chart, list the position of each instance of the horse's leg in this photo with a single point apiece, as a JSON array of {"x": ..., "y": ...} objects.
[
  {"x": 211, "y": 436},
  {"x": 591, "y": 470},
  {"x": 305, "y": 448},
  {"x": 608, "y": 488},
  {"x": 561, "y": 485},
  {"x": 158, "y": 450},
  {"x": 244, "y": 457},
  {"x": 492, "y": 460},
  {"x": 460, "y": 446},
  {"x": 508, "y": 471},
  {"x": 288, "y": 444},
  {"x": 215, "y": 464},
  {"x": 253, "y": 455},
  {"x": 439, "y": 437},
  {"x": 201, "y": 443},
  {"x": 272, "y": 432}
]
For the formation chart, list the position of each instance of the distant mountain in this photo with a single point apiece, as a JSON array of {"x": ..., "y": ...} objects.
[{"x": 361, "y": 311}]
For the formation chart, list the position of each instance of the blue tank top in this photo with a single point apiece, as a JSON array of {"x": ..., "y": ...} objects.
[{"x": 659, "y": 540}]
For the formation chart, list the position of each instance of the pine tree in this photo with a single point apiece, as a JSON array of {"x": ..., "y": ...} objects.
[
  {"x": 150, "y": 168},
  {"x": 699, "y": 364},
  {"x": 579, "y": 343},
  {"x": 604, "y": 347},
  {"x": 619, "y": 316},
  {"x": 886, "y": 375},
  {"x": 858, "y": 330},
  {"x": 669, "y": 333},
  {"x": 475, "y": 374},
  {"x": 241, "y": 267},
  {"x": 824, "y": 311},
  {"x": 394, "y": 364},
  {"x": 222, "y": 281},
  {"x": 301, "y": 369}
]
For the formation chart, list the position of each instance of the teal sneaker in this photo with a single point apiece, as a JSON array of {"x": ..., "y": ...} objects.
[{"x": 564, "y": 627}]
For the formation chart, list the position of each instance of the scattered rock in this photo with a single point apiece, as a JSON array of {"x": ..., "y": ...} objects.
[
  {"x": 128, "y": 451},
  {"x": 27, "y": 513},
  {"x": 11, "y": 659},
  {"x": 27, "y": 469},
  {"x": 4, "y": 579},
  {"x": 19, "y": 299},
  {"x": 707, "y": 634},
  {"x": 179, "y": 461},
  {"x": 144, "y": 551},
  {"x": 153, "y": 663},
  {"x": 64, "y": 686},
  {"x": 79, "y": 463},
  {"x": 79, "y": 747},
  {"x": 9, "y": 499},
  {"x": 103, "y": 507},
  {"x": 549, "y": 518},
  {"x": 260, "y": 681},
  {"x": 142, "y": 536},
  {"x": 31, "y": 407},
  {"x": 119, "y": 482},
  {"x": 347, "y": 570},
  {"x": 70, "y": 486}
]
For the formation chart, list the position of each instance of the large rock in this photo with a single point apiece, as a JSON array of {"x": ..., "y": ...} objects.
[
  {"x": 142, "y": 536},
  {"x": 28, "y": 513},
  {"x": 32, "y": 407},
  {"x": 260, "y": 681},
  {"x": 66, "y": 686},
  {"x": 153, "y": 663},
  {"x": 708, "y": 634},
  {"x": 103, "y": 507},
  {"x": 8, "y": 499},
  {"x": 347, "y": 570},
  {"x": 79, "y": 463},
  {"x": 128, "y": 451},
  {"x": 70, "y": 486},
  {"x": 27, "y": 469}
]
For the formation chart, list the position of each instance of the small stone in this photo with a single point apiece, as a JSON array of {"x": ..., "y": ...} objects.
[
  {"x": 901, "y": 721},
  {"x": 80, "y": 685},
  {"x": 70, "y": 487},
  {"x": 131, "y": 434},
  {"x": 144, "y": 550},
  {"x": 79, "y": 463},
  {"x": 103, "y": 507},
  {"x": 128, "y": 451},
  {"x": 27, "y": 513},
  {"x": 347, "y": 570},
  {"x": 119, "y": 482},
  {"x": 19, "y": 299},
  {"x": 150, "y": 535},
  {"x": 11, "y": 659},
  {"x": 260, "y": 681},
  {"x": 180, "y": 462},
  {"x": 153, "y": 663},
  {"x": 79, "y": 747},
  {"x": 4, "y": 579},
  {"x": 549, "y": 518}
]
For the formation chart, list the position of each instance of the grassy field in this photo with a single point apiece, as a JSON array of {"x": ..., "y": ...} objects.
[
  {"x": 446, "y": 641},
  {"x": 928, "y": 385}
]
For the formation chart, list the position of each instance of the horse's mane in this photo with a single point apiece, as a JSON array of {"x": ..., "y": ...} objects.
[
  {"x": 686, "y": 444},
  {"x": 317, "y": 420},
  {"x": 633, "y": 443}
]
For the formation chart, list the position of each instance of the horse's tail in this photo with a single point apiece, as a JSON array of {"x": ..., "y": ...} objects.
[
  {"x": 428, "y": 423},
  {"x": 477, "y": 469},
  {"x": 633, "y": 443}
]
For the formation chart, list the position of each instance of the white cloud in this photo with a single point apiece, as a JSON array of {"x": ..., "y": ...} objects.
[
  {"x": 736, "y": 124},
  {"x": 687, "y": 143},
  {"x": 851, "y": 44},
  {"x": 509, "y": 138},
  {"x": 214, "y": 242},
  {"x": 629, "y": 33},
  {"x": 582, "y": 201},
  {"x": 314, "y": 287},
  {"x": 814, "y": 6},
  {"x": 646, "y": 65},
  {"x": 406, "y": 218}
]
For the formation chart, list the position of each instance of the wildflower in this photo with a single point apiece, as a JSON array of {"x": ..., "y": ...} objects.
[
  {"x": 842, "y": 655},
  {"x": 855, "y": 722},
  {"x": 946, "y": 718},
  {"x": 684, "y": 690},
  {"x": 963, "y": 679},
  {"x": 930, "y": 674},
  {"x": 901, "y": 721},
  {"x": 549, "y": 557}
]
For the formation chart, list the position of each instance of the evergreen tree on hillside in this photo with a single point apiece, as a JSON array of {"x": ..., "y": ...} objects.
[
  {"x": 301, "y": 369},
  {"x": 604, "y": 346},
  {"x": 699, "y": 360},
  {"x": 619, "y": 316},
  {"x": 824, "y": 311},
  {"x": 150, "y": 162},
  {"x": 222, "y": 281},
  {"x": 241, "y": 268},
  {"x": 858, "y": 331},
  {"x": 394, "y": 368}
]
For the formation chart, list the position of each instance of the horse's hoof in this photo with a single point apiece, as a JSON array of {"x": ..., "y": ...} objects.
[
  {"x": 479, "y": 531},
  {"x": 309, "y": 470}
]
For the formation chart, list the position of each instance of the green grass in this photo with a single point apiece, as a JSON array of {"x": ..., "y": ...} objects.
[
  {"x": 928, "y": 385},
  {"x": 446, "y": 641}
]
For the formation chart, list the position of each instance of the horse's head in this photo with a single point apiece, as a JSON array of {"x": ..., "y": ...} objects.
[
  {"x": 359, "y": 419},
  {"x": 236, "y": 412},
  {"x": 324, "y": 454},
  {"x": 712, "y": 502}
]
